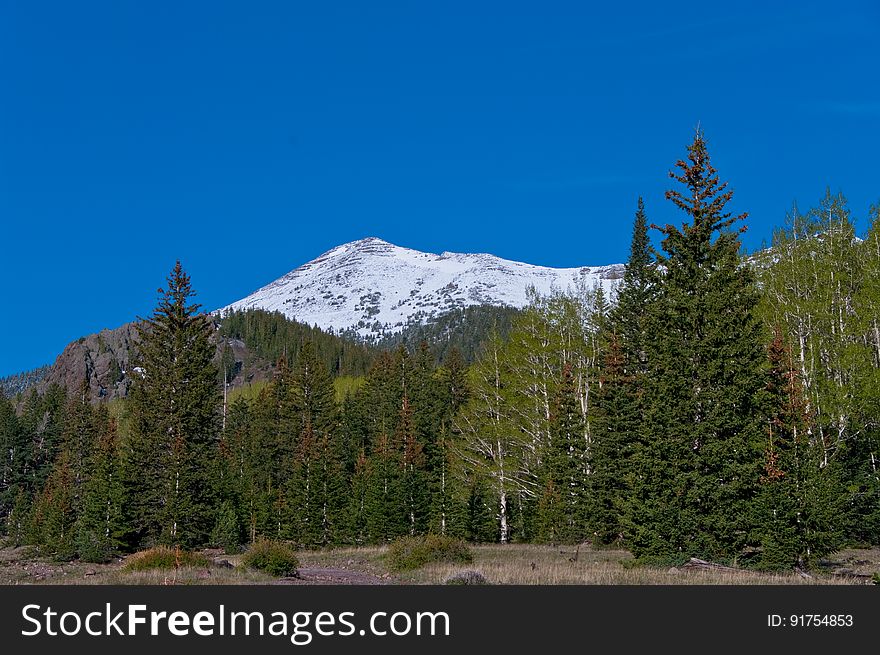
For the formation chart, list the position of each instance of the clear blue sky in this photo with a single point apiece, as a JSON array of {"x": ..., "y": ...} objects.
[{"x": 246, "y": 138}]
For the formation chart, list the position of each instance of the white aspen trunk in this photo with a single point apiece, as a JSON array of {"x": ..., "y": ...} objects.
[
  {"x": 877, "y": 342},
  {"x": 443, "y": 495},
  {"x": 225, "y": 386},
  {"x": 502, "y": 510}
]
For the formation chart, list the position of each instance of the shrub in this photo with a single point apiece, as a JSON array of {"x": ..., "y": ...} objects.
[
  {"x": 467, "y": 578},
  {"x": 163, "y": 557},
  {"x": 272, "y": 557},
  {"x": 409, "y": 553}
]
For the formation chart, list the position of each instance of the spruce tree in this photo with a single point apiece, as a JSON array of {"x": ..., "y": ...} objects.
[
  {"x": 78, "y": 438},
  {"x": 316, "y": 487},
  {"x": 11, "y": 460},
  {"x": 800, "y": 502},
  {"x": 385, "y": 507},
  {"x": 42, "y": 428},
  {"x": 100, "y": 525},
  {"x": 481, "y": 519},
  {"x": 356, "y": 524},
  {"x": 616, "y": 427},
  {"x": 175, "y": 403},
  {"x": 698, "y": 474},
  {"x": 413, "y": 478},
  {"x": 54, "y": 514},
  {"x": 563, "y": 498},
  {"x": 618, "y": 401},
  {"x": 227, "y": 533},
  {"x": 446, "y": 511},
  {"x": 313, "y": 398}
]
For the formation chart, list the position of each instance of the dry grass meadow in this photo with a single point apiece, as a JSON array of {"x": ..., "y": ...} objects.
[{"x": 512, "y": 564}]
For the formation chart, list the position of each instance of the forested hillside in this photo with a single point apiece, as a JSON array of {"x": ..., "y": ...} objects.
[
  {"x": 464, "y": 330},
  {"x": 12, "y": 385},
  {"x": 715, "y": 409}
]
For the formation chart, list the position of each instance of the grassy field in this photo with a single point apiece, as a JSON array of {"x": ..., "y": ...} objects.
[{"x": 513, "y": 564}]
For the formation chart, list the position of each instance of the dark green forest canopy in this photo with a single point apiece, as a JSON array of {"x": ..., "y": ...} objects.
[{"x": 271, "y": 335}]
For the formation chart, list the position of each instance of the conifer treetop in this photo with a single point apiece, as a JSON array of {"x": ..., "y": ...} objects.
[
  {"x": 707, "y": 197},
  {"x": 173, "y": 301}
]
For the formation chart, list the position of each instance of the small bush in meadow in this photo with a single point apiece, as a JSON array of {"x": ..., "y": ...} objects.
[
  {"x": 163, "y": 557},
  {"x": 409, "y": 553},
  {"x": 466, "y": 578},
  {"x": 272, "y": 557}
]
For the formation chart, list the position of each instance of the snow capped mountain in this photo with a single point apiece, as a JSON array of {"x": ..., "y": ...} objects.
[{"x": 373, "y": 287}]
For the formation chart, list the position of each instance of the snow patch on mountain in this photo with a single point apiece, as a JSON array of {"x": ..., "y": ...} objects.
[{"x": 372, "y": 287}]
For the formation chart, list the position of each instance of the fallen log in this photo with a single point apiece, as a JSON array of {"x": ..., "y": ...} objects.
[{"x": 695, "y": 563}]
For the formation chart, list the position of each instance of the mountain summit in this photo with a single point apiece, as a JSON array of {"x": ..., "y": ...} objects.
[{"x": 372, "y": 287}]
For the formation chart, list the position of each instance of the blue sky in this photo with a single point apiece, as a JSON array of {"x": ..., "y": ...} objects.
[{"x": 247, "y": 138}]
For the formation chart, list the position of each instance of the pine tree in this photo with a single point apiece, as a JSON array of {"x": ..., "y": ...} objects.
[
  {"x": 227, "y": 533},
  {"x": 317, "y": 486},
  {"x": 54, "y": 514},
  {"x": 481, "y": 521},
  {"x": 453, "y": 377},
  {"x": 266, "y": 436},
  {"x": 240, "y": 460},
  {"x": 616, "y": 428},
  {"x": 628, "y": 318},
  {"x": 384, "y": 504},
  {"x": 175, "y": 404},
  {"x": 698, "y": 474},
  {"x": 313, "y": 398},
  {"x": 12, "y": 450},
  {"x": 357, "y": 512},
  {"x": 618, "y": 401},
  {"x": 563, "y": 498},
  {"x": 18, "y": 520},
  {"x": 42, "y": 427},
  {"x": 413, "y": 478},
  {"x": 800, "y": 502},
  {"x": 78, "y": 438},
  {"x": 446, "y": 511},
  {"x": 100, "y": 524}
]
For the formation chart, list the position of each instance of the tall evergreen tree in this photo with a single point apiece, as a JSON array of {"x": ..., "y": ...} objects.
[
  {"x": 618, "y": 403},
  {"x": 12, "y": 450},
  {"x": 78, "y": 438},
  {"x": 100, "y": 524},
  {"x": 356, "y": 525},
  {"x": 616, "y": 430},
  {"x": 563, "y": 496},
  {"x": 313, "y": 398},
  {"x": 699, "y": 471},
  {"x": 54, "y": 514},
  {"x": 800, "y": 502},
  {"x": 175, "y": 402},
  {"x": 413, "y": 478},
  {"x": 385, "y": 501}
]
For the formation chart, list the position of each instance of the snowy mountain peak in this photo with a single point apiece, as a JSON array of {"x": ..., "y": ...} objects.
[{"x": 373, "y": 287}]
